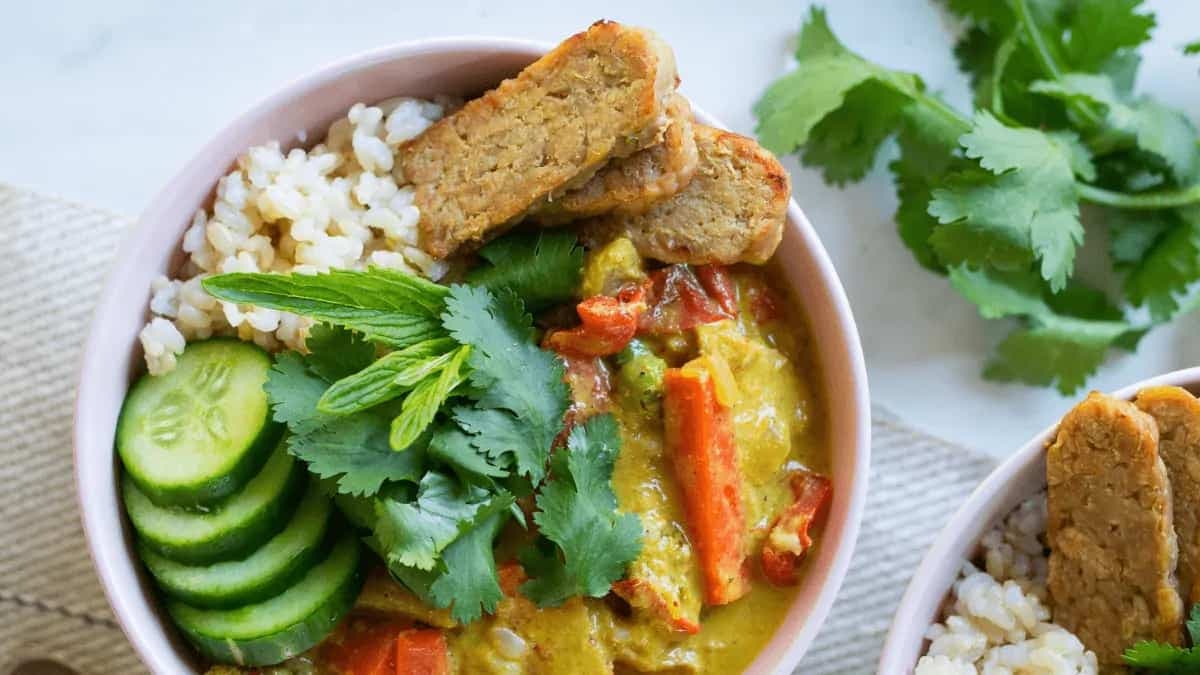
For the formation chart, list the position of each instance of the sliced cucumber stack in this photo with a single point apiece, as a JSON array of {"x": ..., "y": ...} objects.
[
  {"x": 277, "y": 629},
  {"x": 228, "y": 531},
  {"x": 199, "y": 433},
  {"x": 264, "y": 573}
]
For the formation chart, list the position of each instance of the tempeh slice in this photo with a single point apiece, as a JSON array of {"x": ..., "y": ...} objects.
[
  {"x": 600, "y": 94},
  {"x": 1109, "y": 526},
  {"x": 1177, "y": 414}
]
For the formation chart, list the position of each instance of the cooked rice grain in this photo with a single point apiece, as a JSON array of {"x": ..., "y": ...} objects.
[
  {"x": 999, "y": 623},
  {"x": 337, "y": 205}
]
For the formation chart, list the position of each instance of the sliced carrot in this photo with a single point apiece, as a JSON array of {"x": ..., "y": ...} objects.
[
  {"x": 720, "y": 287},
  {"x": 642, "y": 594},
  {"x": 361, "y": 647},
  {"x": 699, "y": 440},
  {"x": 606, "y": 325},
  {"x": 788, "y": 540},
  {"x": 422, "y": 652}
]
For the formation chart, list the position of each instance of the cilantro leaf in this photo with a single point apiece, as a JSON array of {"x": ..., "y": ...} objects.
[
  {"x": 423, "y": 403},
  {"x": 1062, "y": 340},
  {"x": 543, "y": 267},
  {"x": 1165, "y": 658},
  {"x": 355, "y": 449},
  {"x": 1133, "y": 233},
  {"x": 414, "y": 533},
  {"x": 352, "y": 448},
  {"x": 392, "y": 375},
  {"x": 391, "y": 307},
  {"x": 577, "y": 510},
  {"x": 1169, "y": 268},
  {"x": 927, "y": 152},
  {"x": 1025, "y": 200},
  {"x": 1192, "y": 48},
  {"x": 804, "y": 105},
  {"x": 1165, "y": 133},
  {"x": 1099, "y": 29},
  {"x": 1193, "y": 624},
  {"x": 335, "y": 352},
  {"x": 454, "y": 448},
  {"x": 511, "y": 373},
  {"x": 469, "y": 585}
]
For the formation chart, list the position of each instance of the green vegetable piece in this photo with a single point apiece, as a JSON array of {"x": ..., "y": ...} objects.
[
  {"x": 1169, "y": 269},
  {"x": 391, "y": 307},
  {"x": 469, "y": 585},
  {"x": 641, "y": 375},
  {"x": 391, "y": 376},
  {"x": 577, "y": 511},
  {"x": 426, "y": 399},
  {"x": 1157, "y": 657},
  {"x": 335, "y": 352},
  {"x": 542, "y": 267}
]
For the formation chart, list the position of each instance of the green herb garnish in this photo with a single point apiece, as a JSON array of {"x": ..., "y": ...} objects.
[
  {"x": 1163, "y": 658},
  {"x": 428, "y": 443},
  {"x": 992, "y": 199}
]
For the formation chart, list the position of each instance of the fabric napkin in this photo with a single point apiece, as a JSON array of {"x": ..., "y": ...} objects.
[{"x": 53, "y": 258}]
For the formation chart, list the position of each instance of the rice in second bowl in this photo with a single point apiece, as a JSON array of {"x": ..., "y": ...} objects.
[
  {"x": 999, "y": 621},
  {"x": 340, "y": 204}
]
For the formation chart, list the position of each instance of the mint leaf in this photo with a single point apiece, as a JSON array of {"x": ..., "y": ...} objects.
[
  {"x": 543, "y": 267},
  {"x": 391, "y": 307},
  {"x": 387, "y": 378},
  {"x": 1024, "y": 200},
  {"x": 414, "y": 533},
  {"x": 577, "y": 511},
  {"x": 815, "y": 103},
  {"x": 1169, "y": 268},
  {"x": 510, "y": 372},
  {"x": 423, "y": 403},
  {"x": 1161, "y": 131},
  {"x": 469, "y": 585},
  {"x": 335, "y": 352}
]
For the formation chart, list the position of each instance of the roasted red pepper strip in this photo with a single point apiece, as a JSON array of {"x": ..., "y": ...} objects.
[
  {"x": 788, "y": 541},
  {"x": 699, "y": 440},
  {"x": 606, "y": 325},
  {"x": 422, "y": 652},
  {"x": 643, "y": 595},
  {"x": 720, "y": 287},
  {"x": 678, "y": 302}
]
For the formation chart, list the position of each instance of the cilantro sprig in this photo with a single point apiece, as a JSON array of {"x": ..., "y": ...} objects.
[
  {"x": 997, "y": 193},
  {"x": 1157, "y": 657},
  {"x": 429, "y": 409}
]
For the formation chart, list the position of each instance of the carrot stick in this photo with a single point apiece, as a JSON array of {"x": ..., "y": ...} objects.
[
  {"x": 422, "y": 652},
  {"x": 699, "y": 440}
]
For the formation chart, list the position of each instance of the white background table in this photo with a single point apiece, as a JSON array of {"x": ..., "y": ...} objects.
[{"x": 102, "y": 101}]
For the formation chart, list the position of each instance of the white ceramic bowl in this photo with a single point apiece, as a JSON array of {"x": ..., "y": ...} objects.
[
  {"x": 1018, "y": 478},
  {"x": 304, "y": 109}
]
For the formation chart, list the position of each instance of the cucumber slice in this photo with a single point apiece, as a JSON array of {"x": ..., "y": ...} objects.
[
  {"x": 261, "y": 575},
  {"x": 199, "y": 433},
  {"x": 279, "y": 628},
  {"x": 231, "y": 530}
]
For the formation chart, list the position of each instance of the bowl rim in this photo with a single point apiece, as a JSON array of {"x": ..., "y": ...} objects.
[
  {"x": 848, "y": 348},
  {"x": 1007, "y": 482}
]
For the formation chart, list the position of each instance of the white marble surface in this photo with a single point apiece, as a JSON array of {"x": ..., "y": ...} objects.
[{"x": 102, "y": 101}]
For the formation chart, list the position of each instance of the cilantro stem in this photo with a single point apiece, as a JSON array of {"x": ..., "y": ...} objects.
[
  {"x": 999, "y": 64},
  {"x": 1048, "y": 60},
  {"x": 1163, "y": 199}
]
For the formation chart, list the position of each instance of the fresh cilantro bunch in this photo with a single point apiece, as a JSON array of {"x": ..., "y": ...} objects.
[
  {"x": 1157, "y": 657},
  {"x": 991, "y": 200},
  {"x": 429, "y": 410}
]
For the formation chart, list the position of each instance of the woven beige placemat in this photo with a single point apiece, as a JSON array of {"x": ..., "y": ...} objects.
[{"x": 53, "y": 258}]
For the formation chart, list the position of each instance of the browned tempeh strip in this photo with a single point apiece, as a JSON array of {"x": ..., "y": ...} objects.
[
  {"x": 1112, "y": 546},
  {"x": 633, "y": 184},
  {"x": 1177, "y": 414},
  {"x": 600, "y": 94},
  {"x": 733, "y": 209}
]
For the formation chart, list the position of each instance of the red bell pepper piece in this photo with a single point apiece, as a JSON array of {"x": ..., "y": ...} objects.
[
  {"x": 788, "y": 540},
  {"x": 606, "y": 325},
  {"x": 643, "y": 595},
  {"x": 720, "y": 287},
  {"x": 678, "y": 302},
  {"x": 699, "y": 440},
  {"x": 422, "y": 652}
]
